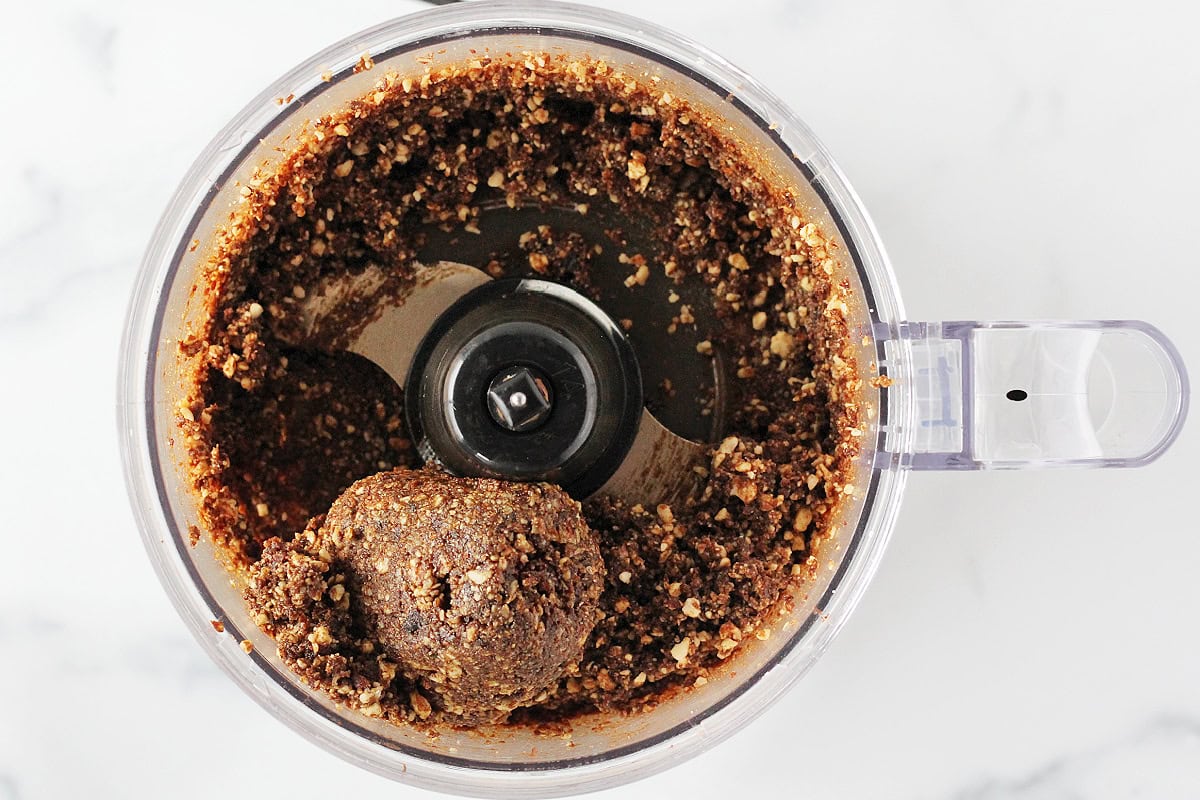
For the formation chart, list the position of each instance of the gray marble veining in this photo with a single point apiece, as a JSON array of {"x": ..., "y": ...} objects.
[{"x": 1161, "y": 760}]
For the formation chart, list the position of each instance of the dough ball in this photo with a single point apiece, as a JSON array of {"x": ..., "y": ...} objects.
[{"x": 484, "y": 591}]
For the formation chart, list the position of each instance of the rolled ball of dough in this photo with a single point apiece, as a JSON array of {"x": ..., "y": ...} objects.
[{"x": 484, "y": 591}]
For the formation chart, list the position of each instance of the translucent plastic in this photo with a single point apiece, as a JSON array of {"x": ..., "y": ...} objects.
[
  {"x": 516, "y": 763},
  {"x": 1032, "y": 395}
]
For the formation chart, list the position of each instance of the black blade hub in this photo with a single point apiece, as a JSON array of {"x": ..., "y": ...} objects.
[{"x": 526, "y": 380}]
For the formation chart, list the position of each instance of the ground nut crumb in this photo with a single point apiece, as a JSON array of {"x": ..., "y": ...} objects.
[
  {"x": 738, "y": 262},
  {"x": 420, "y": 705},
  {"x": 782, "y": 344}
]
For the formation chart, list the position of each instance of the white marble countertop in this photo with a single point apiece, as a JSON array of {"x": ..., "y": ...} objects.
[{"x": 1028, "y": 636}]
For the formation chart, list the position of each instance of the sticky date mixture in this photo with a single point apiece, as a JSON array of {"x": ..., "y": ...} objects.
[{"x": 280, "y": 420}]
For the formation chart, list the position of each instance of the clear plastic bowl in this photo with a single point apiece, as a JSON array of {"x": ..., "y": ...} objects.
[{"x": 935, "y": 413}]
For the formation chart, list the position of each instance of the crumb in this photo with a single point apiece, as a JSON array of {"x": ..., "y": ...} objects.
[{"x": 365, "y": 63}]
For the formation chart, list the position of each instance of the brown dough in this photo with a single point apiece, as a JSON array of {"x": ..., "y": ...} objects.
[{"x": 484, "y": 591}]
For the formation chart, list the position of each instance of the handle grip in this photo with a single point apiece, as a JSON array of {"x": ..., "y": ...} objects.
[{"x": 1031, "y": 395}]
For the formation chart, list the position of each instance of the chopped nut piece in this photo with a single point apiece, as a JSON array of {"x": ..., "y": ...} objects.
[
  {"x": 420, "y": 705},
  {"x": 782, "y": 343},
  {"x": 744, "y": 489},
  {"x": 738, "y": 262}
]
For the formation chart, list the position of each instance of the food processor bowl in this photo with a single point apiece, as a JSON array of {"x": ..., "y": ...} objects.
[{"x": 959, "y": 395}]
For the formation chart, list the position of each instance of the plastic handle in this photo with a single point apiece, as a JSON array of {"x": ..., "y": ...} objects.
[{"x": 1031, "y": 395}]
